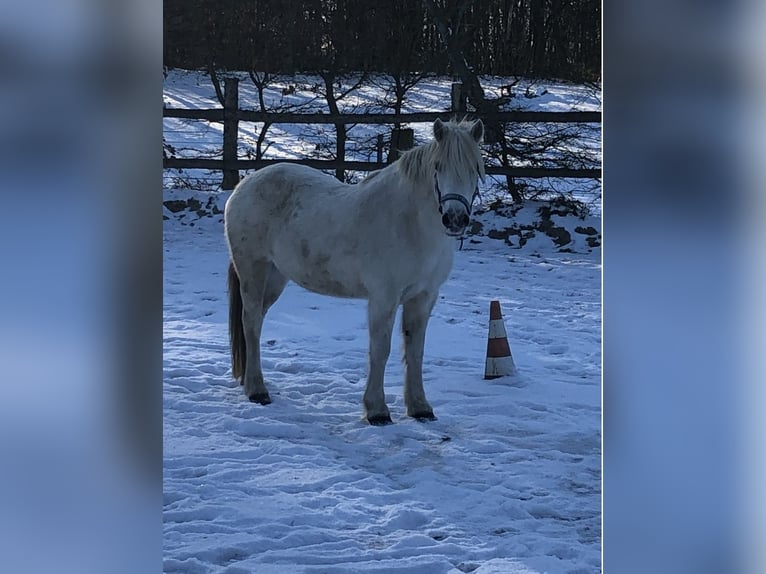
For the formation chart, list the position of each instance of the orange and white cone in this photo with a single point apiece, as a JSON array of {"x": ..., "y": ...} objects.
[{"x": 499, "y": 358}]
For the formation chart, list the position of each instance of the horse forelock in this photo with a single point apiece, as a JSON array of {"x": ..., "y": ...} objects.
[{"x": 456, "y": 151}]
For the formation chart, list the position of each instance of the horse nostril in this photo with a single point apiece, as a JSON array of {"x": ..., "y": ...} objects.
[{"x": 445, "y": 220}]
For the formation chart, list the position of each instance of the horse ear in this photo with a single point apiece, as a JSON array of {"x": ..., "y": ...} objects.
[
  {"x": 438, "y": 129},
  {"x": 477, "y": 131}
]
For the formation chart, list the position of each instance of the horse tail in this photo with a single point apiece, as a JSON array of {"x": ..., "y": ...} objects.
[{"x": 236, "y": 329}]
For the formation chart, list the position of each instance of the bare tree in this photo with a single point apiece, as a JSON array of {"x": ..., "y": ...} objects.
[
  {"x": 448, "y": 24},
  {"x": 216, "y": 82},
  {"x": 261, "y": 80},
  {"x": 541, "y": 38},
  {"x": 448, "y": 17},
  {"x": 333, "y": 95}
]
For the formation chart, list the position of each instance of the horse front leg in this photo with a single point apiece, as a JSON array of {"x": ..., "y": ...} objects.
[
  {"x": 381, "y": 315},
  {"x": 415, "y": 315}
]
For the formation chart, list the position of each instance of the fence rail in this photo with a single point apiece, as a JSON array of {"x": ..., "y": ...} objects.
[
  {"x": 238, "y": 164},
  {"x": 230, "y": 115}
]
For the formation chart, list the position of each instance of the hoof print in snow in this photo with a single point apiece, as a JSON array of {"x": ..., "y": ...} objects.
[
  {"x": 260, "y": 398},
  {"x": 380, "y": 421},
  {"x": 424, "y": 417}
]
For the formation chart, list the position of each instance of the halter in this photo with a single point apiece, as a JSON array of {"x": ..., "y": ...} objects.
[{"x": 458, "y": 197}]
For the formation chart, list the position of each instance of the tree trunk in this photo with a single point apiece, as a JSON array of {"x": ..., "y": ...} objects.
[
  {"x": 471, "y": 84},
  {"x": 216, "y": 83},
  {"x": 230, "y": 132},
  {"x": 261, "y": 81},
  {"x": 537, "y": 33},
  {"x": 340, "y": 129}
]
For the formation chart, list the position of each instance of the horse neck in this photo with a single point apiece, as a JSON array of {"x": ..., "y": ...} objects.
[
  {"x": 413, "y": 193},
  {"x": 422, "y": 200}
]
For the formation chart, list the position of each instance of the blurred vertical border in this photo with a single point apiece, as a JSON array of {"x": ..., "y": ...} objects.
[
  {"x": 80, "y": 295},
  {"x": 683, "y": 258}
]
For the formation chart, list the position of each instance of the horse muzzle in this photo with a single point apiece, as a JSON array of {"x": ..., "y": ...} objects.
[
  {"x": 455, "y": 210},
  {"x": 455, "y": 221}
]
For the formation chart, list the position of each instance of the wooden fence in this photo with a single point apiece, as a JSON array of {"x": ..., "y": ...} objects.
[{"x": 230, "y": 115}]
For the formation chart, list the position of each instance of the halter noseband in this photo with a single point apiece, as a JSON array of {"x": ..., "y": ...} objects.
[{"x": 456, "y": 196}]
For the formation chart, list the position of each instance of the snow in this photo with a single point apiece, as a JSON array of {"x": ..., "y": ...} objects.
[
  {"x": 193, "y": 89},
  {"x": 507, "y": 480}
]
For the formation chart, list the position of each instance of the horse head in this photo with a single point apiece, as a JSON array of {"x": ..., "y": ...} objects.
[{"x": 457, "y": 169}]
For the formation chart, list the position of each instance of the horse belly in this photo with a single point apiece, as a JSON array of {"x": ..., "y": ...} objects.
[
  {"x": 318, "y": 270},
  {"x": 332, "y": 287}
]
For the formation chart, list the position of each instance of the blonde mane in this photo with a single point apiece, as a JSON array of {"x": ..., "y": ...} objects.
[{"x": 456, "y": 150}]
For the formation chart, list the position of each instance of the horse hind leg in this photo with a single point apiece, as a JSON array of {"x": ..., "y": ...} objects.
[
  {"x": 236, "y": 330},
  {"x": 253, "y": 279}
]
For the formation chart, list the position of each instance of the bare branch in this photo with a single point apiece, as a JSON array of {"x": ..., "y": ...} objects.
[{"x": 216, "y": 82}]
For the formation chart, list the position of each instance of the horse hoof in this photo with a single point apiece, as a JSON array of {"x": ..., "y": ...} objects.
[
  {"x": 260, "y": 398},
  {"x": 380, "y": 420},
  {"x": 424, "y": 417}
]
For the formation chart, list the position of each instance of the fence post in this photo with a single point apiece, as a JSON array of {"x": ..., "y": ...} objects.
[
  {"x": 230, "y": 132},
  {"x": 379, "y": 149},
  {"x": 402, "y": 139},
  {"x": 459, "y": 105}
]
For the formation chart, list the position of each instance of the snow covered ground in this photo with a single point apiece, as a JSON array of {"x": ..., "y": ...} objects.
[{"x": 507, "y": 480}]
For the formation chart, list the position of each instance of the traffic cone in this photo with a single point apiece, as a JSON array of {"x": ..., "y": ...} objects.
[{"x": 499, "y": 359}]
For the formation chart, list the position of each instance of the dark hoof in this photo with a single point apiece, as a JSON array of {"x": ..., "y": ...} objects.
[
  {"x": 424, "y": 417},
  {"x": 380, "y": 421},
  {"x": 260, "y": 398}
]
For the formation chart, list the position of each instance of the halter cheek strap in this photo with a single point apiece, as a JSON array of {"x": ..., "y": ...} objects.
[{"x": 458, "y": 197}]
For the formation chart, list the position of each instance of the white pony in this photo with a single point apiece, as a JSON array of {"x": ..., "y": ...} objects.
[{"x": 388, "y": 239}]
